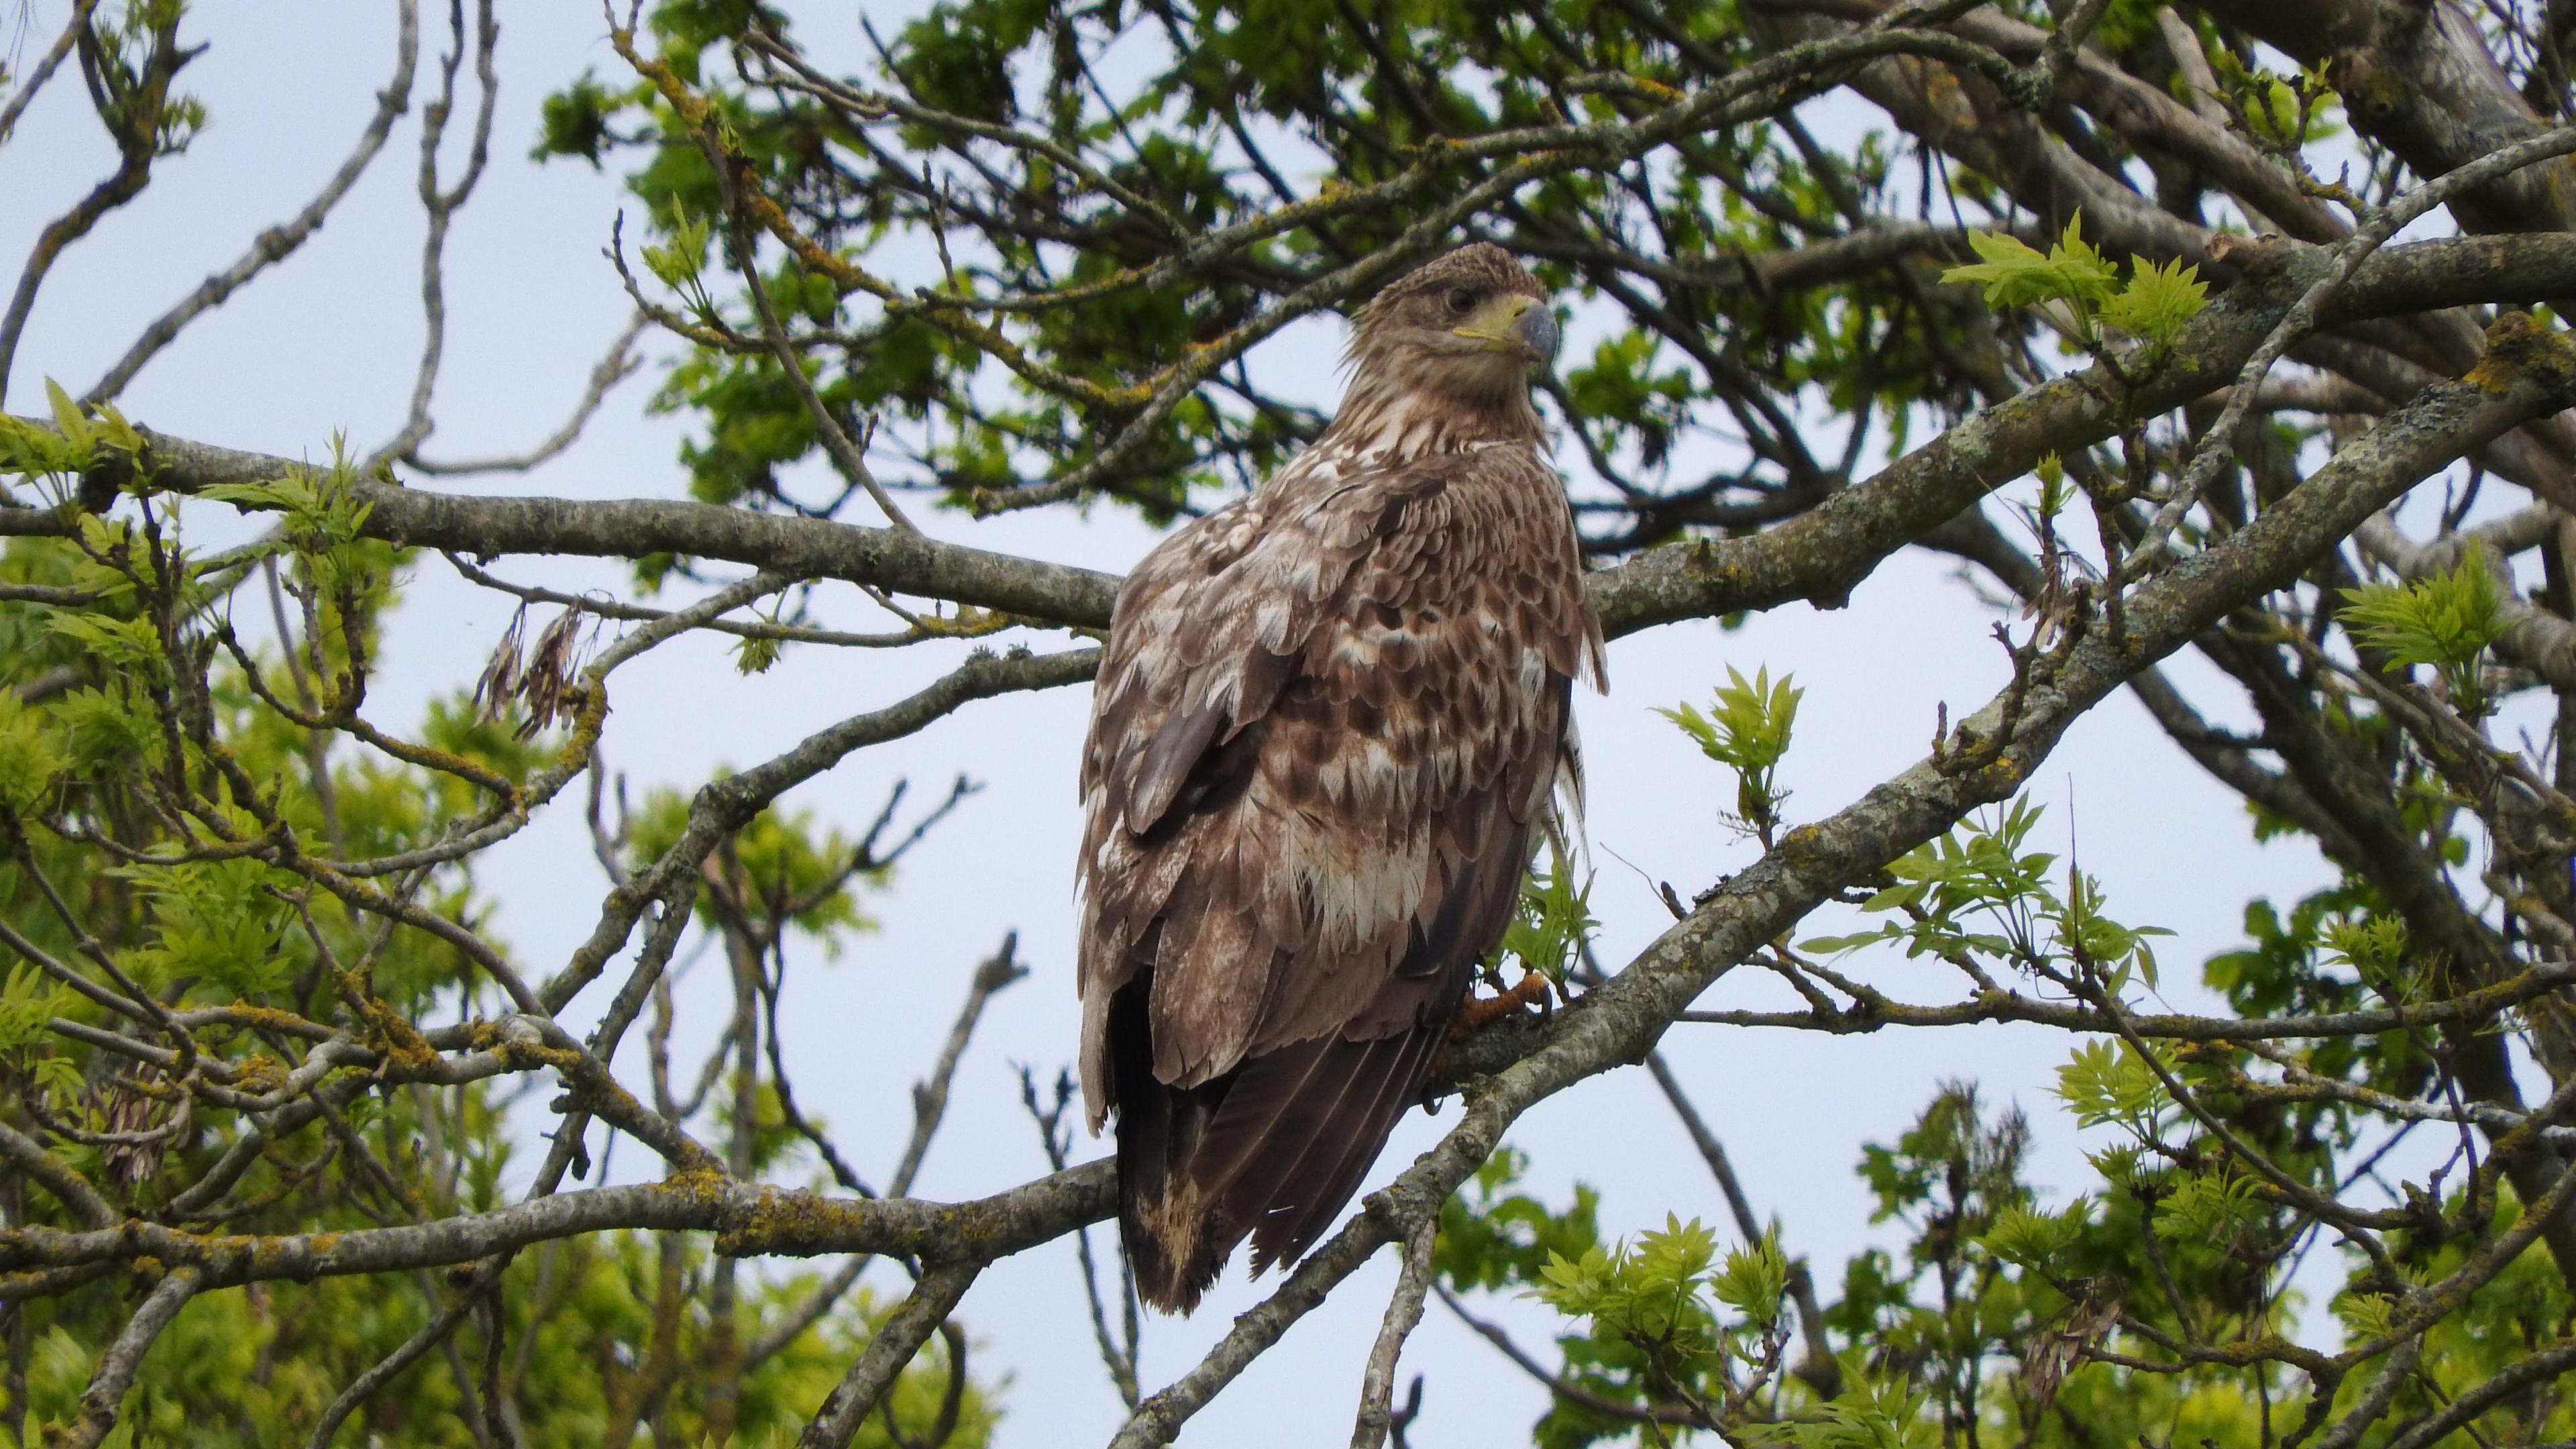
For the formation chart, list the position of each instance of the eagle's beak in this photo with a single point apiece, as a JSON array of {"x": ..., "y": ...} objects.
[{"x": 1518, "y": 324}]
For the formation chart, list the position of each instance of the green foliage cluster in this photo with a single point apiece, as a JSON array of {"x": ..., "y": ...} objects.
[
  {"x": 1977, "y": 892},
  {"x": 1553, "y": 921},
  {"x": 2080, "y": 291},
  {"x": 979, "y": 418},
  {"x": 2001, "y": 1313},
  {"x": 1983, "y": 1322},
  {"x": 147, "y": 754},
  {"x": 253, "y": 1368},
  {"x": 2446, "y": 621},
  {"x": 1747, "y": 730}
]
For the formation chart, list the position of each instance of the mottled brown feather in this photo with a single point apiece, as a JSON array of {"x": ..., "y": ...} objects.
[{"x": 1326, "y": 729}]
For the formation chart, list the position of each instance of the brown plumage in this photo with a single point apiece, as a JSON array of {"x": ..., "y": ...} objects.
[{"x": 1330, "y": 718}]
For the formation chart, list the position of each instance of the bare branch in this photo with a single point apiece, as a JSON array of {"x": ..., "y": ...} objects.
[
  {"x": 749, "y": 1219},
  {"x": 278, "y": 242},
  {"x": 605, "y": 608},
  {"x": 440, "y": 206},
  {"x": 615, "y": 367},
  {"x": 29, "y": 1157},
  {"x": 896, "y": 1341},
  {"x": 45, "y": 66},
  {"x": 104, "y": 1399},
  {"x": 133, "y": 107},
  {"x": 1403, "y": 1312}
]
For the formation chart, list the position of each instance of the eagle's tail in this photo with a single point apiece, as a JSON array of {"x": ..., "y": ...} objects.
[
  {"x": 1159, "y": 1129},
  {"x": 1271, "y": 1150}
]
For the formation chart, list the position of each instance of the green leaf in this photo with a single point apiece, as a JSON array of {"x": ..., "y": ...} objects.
[
  {"x": 2105, "y": 1083},
  {"x": 679, "y": 261},
  {"x": 1838, "y": 945},
  {"x": 1747, "y": 729},
  {"x": 101, "y": 731},
  {"x": 67, "y": 416},
  {"x": 2446, "y": 621},
  {"x": 2365, "y": 1315},
  {"x": 28, "y": 449},
  {"x": 2053, "y": 492},
  {"x": 2084, "y": 931},
  {"x": 2376, "y": 944},
  {"x": 754, "y": 655},
  {"x": 212, "y": 921},
  {"x": 2158, "y": 301},
  {"x": 2014, "y": 274},
  {"x": 29, "y": 762},
  {"x": 120, "y": 434},
  {"x": 27, "y": 1000},
  {"x": 2031, "y": 1238},
  {"x": 2212, "y": 1208},
  {"x": 1575, "y": 1286},
  {"x": 1868, "y": 1414},
  {"x": 1754, "y": 1280},
  {"x": 2087, "y": 275},
  {"x": 58, "y": 1077},
  {"x": 125, "y": 644},
  {"x": 1554, "y": 920},
  {"x": 1674, "y": 1257}
]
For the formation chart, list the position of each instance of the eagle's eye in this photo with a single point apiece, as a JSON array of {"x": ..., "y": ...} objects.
[{"x": 1462, "y": 300}]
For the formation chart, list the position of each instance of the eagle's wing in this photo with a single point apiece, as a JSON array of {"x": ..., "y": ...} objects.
[{"x": 1329, "y": 718}]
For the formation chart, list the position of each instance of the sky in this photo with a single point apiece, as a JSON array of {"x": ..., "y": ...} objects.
[{"x": 327, "y": 344}]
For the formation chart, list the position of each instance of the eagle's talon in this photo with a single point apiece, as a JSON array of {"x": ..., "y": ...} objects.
[{"x": 1474, "y": 1012}]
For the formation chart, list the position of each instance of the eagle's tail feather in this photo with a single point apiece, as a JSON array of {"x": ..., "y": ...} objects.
[
  {"x": 1159, "y": 1130},
  {"x": 1293, "y": 1130},
  {"x": 1342, "y": 1152},
  {"x": 1271, "y": 1150}
]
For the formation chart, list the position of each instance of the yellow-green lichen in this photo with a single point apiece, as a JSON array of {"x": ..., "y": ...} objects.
[{"x": 2519, "y": 348}]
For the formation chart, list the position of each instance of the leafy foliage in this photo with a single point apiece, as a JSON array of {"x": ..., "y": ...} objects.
[
  {"x": 2447, "y": 621},
  {"x": 1747, "y": 730},
  {"x": 2080, "y": 290},
  {"x": 1976, "y": 892},
  {"x": 1554, "y": 921},
  {"x": 182, "y": 754}
]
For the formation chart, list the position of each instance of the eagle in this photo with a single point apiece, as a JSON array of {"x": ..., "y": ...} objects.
[{"x": 1331, "y": 721}]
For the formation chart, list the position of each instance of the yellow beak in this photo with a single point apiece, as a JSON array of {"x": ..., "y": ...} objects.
[{"x": 1515, "y": 324}]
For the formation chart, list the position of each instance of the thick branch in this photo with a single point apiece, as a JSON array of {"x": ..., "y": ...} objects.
[{"x": 750, "y": 1219}]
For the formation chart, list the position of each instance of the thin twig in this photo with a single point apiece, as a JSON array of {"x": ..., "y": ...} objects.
[
  {"x": 896, "y": 1341},
  {"x": 45, "y": 67},
  {"x": 2217, "y": 443},
  {"x": 439, "y": 206},
  {"x": 104, "y": 1398},
  {"x": 277, "y": 243},
  {"x": 930, "y": 1103},
  {"x": 930, "y": 1097},
  {"x": 1118, "y": 1350},
  {"x": 617, "y": 365},
  {"x": 1403, "y": 1311}
]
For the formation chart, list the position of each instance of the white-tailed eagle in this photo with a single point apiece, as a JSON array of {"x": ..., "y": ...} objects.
[{"x": 1326, "y": 732}]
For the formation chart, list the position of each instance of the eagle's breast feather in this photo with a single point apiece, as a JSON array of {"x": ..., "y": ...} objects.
[{"x": 1399, "y": 640}]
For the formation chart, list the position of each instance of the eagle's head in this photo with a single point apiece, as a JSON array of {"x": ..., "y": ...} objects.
[{"x": 1467, "y": 328}]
